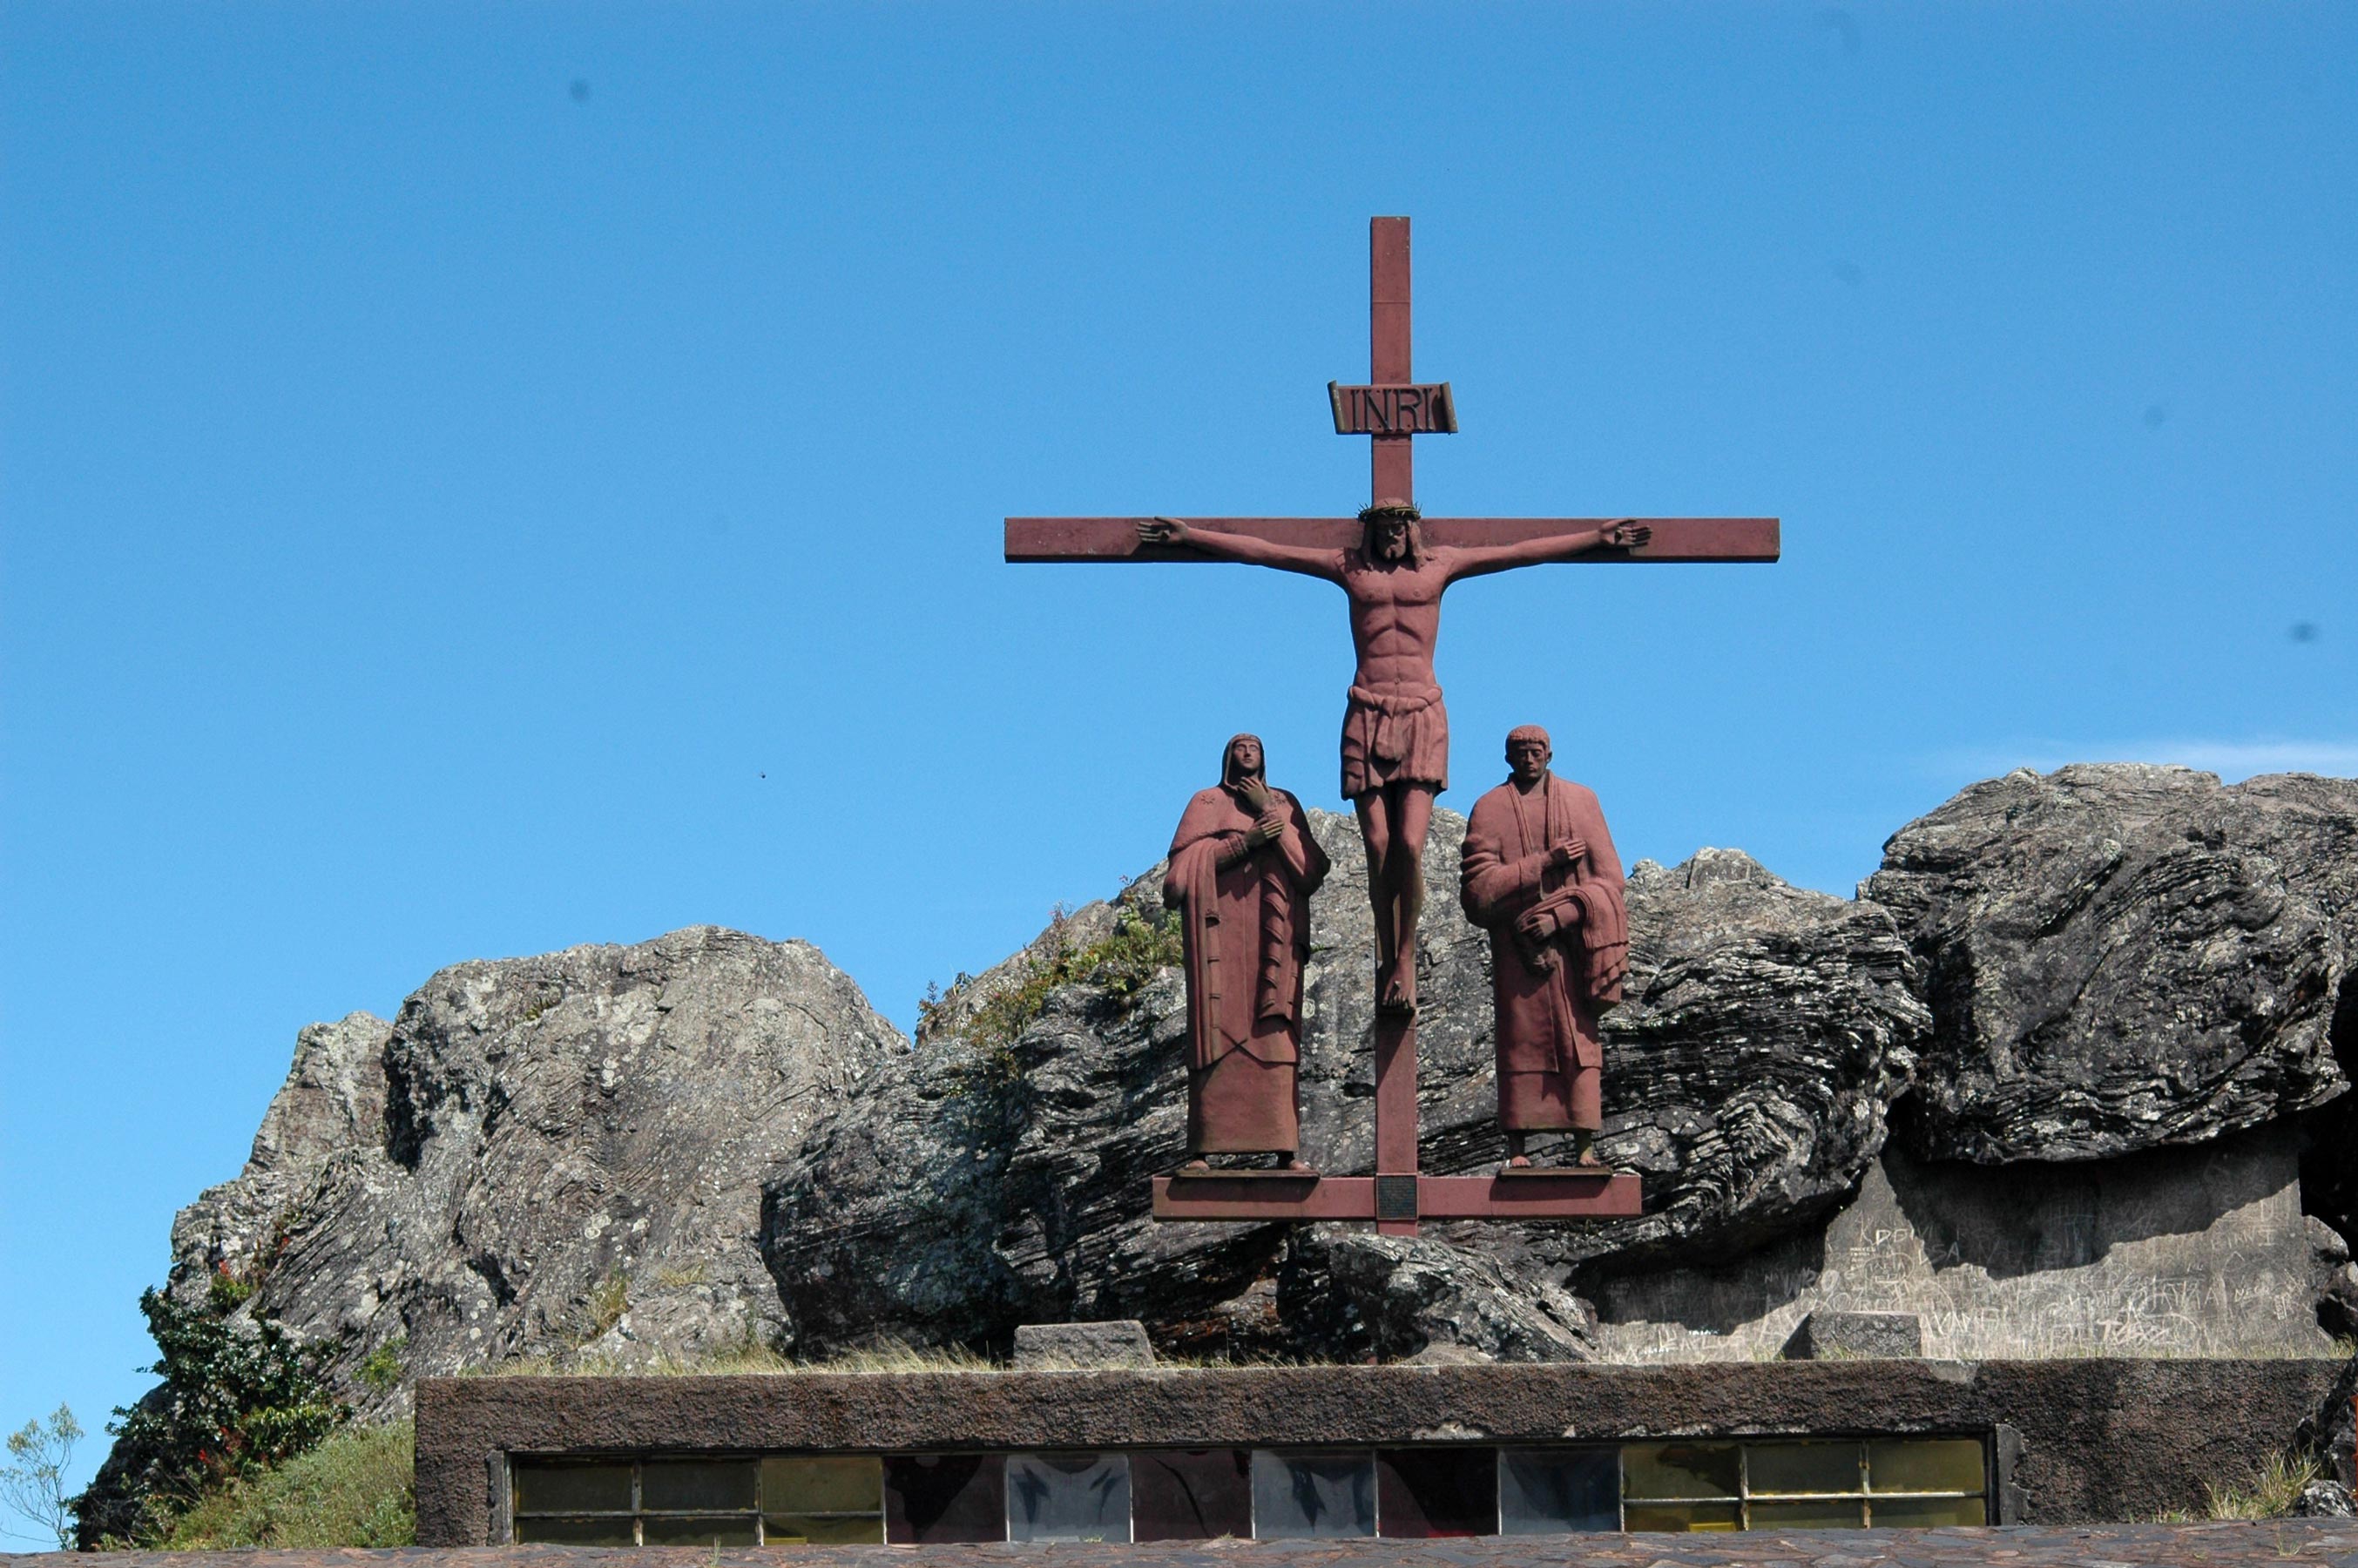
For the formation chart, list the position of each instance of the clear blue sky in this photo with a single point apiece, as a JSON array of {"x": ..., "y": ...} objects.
[{"x": 481, "y": 479}]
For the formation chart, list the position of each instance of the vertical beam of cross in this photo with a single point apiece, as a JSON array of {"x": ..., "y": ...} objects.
[
  {"x": 1392, "y": 463},
  {"x": 1392, "y": 479}
]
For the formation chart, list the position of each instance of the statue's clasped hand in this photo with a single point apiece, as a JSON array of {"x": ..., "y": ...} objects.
[{"x": 1566, "y": 853}]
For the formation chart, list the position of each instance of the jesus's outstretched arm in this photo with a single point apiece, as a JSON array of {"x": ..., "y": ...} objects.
[
  {"x": 1239, "y": 547},
  {"x": 1474, "y": 560}
]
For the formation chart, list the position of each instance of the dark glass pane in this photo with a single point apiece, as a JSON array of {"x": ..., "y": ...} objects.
[
  {"x": 1548, "y": 1491},
  {"x": 576, "y": 1531},
  {"x": 1679, "y": 1470},
  {"x": 1426, "y": 1492},
  {"x": 1067, "y": 1496},
  {"x": 1680, "y": 1516},
  {"x": 1191, "y": 1493},
  {"x": 940, "y": 1498},
  {"x": 1925, "y": 1464},
  {"x": 1313, "y": 1494},
  {"x": 812, "y": 1484},
  {"x": 545, "y": 1486},
  {"x": 686, "y": 1485},
  {"x": 694, "y": 1530},
  {"x": 1915, "y": 1513},
  {"x": 1817, "y": 1513},
  {"x": 1801, "y": 1467},
  {"x": 833, "y": 1529}
]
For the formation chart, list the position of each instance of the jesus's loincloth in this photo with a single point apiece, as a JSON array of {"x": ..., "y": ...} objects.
[{"x": 1395, "y": 737}]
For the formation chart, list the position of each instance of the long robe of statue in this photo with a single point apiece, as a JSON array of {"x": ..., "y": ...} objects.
[
  {"x": 1541, "y": 873},
  {"x": 1243, "y": 866}
]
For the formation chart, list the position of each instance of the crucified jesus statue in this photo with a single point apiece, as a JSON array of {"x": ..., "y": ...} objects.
[{"x": 1395, "y": 731}]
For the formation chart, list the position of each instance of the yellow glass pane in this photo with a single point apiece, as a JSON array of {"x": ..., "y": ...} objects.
[
  {"x": 685, "y": 1485},
  {"x": 1680, "y": 1516},
  {"x": 1919, "y": 1513},
  {"x": 561, "y": 1487},
  {"x": 576, "y": 1531},
  {"x": 785, "y": 1530},
  {"x": 1801, "y": 1467},
  {"x": 692, "y": 1530},
  {"x": 1817, "y": 1513},
  {"x": 811, "y": 1484},
  {"x": 1679, "y": 1470},
  {"x": 1924, "y": 1465}
]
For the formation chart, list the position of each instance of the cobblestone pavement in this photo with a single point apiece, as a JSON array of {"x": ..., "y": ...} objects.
[{"x": 2306, "y": 1543}]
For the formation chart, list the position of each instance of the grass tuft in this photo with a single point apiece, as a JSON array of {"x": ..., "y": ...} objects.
[{"x": 357, "y": 1488}]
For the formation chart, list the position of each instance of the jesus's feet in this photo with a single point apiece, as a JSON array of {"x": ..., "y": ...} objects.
[{"x": 1396, "y": 988}]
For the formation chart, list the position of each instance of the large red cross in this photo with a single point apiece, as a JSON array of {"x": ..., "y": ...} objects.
[{"x": 1393, "y": 409}]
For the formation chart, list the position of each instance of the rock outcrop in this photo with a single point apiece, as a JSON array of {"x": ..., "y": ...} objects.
[
  {"x": 541, "y": 1157},
  {"x": 2063, "y": 983},
  {"x": 2121, "y": 957}
]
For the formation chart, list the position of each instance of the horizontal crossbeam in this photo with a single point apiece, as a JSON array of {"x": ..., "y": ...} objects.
[
  {"x": 1116, "y": 539},
  {"x": 1270, "y": 1196}
]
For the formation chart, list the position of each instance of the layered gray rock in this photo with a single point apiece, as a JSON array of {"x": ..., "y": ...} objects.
[
  {"x": 2055, "y": 988},
  {"x": 550, "y": 1157},
  {"x": 2119, "y": 957},
  {"x": 972, "y": 1187}
]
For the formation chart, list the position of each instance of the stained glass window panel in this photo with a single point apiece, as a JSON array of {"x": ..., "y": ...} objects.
[
  {"x": 697, "y": 1529},
  {"x": 1681, "y": 1516},
  {"x": 932, "y": 1498},
  {"x": 823, "y": 1530},
  {"x": 1068, "y": 1497},
  {"x": 1552, "y": 1491},
  {"x": 822, "y": 1483},
  {"x": 1681, "y": 1470},
  {"x": 1815, "y": 1513},
  {"x": 1421, "y": 1493},
  {"x": 1801, "y": 1467},
  {"x": 686, "y": 1485},
  {"x": 1917, "y": 1513},
  {"x": 543, "y": 1488},
  {"x": 1191, "y": 1493},
  {"x": 1303, "y": 1494},
  {"x": 1924, "y": 1465},
  {"x": 615, "y": 1531}
]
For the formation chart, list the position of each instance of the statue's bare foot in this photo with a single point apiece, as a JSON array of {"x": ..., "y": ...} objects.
[
  {"x": 1398, "y": 991},
  {"x": 1295, "y": 1166},
  {"x": 1195, "y": 1167},
  {"x": 1588, "y": 1160},
  {"x": 1519, "y": 1162}
]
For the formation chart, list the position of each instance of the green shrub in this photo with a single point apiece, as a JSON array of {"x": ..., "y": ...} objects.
[
  {"x": 235, "y": 1398},
  {"x": 356, "y": 1488},
  {"x": 383, "y": 1367},
  {"x": 1120, "y": 963}
]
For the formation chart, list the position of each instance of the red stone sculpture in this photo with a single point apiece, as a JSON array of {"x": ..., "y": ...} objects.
[
  {"x": 1395, "y": 729},
  {"x": 1243, "y": 866},
  {"x": 1539, "y": 872}
]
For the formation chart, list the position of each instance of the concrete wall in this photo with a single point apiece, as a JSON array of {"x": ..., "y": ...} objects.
[
  {"x": 2175, "y": 1252},
  {"x": 2087, "y": 1440}
]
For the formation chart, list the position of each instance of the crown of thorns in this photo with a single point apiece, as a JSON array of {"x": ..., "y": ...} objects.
[{"x": 1389, "y": 511}]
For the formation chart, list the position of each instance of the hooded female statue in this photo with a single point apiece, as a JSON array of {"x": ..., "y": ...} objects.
[{"x": 1243, "y": 866}]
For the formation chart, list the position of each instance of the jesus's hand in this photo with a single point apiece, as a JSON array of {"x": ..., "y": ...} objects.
[
  {"x": 1624, "y": 535},
  {"x": 1162, "y": 531}
]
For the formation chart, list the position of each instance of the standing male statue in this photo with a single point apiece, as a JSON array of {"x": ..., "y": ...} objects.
[
  {"x": 1243, "y": 866},
  {"x": 1395, "y": 731},
  {"x": 1539, "y": 872}
]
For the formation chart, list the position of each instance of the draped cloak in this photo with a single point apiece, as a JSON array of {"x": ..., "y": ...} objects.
[
  {"x": 1246, "y": 930},
  {"x": 1549, "y": 994}
]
